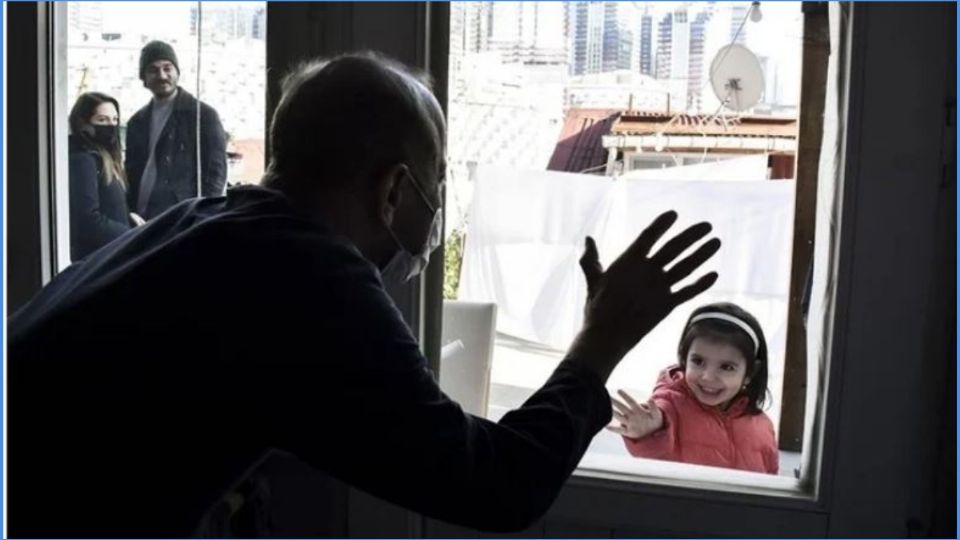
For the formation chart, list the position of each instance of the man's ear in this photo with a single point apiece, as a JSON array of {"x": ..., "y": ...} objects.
[{"x": 389, "y": 192}]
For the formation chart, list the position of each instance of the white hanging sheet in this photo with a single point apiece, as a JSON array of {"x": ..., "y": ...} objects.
[{"x": 526, "y": 233}]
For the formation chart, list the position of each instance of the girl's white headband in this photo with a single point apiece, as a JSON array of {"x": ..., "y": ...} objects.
[{"x": 730, "y": 319}]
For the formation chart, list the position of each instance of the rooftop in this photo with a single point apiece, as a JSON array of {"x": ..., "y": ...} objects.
[{"x": 652, "y": 123}]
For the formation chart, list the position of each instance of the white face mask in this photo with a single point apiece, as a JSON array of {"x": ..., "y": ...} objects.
[{"x": 405, "y": 265}]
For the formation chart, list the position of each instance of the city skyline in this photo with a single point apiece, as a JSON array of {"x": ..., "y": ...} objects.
[
  {"x": 674, "y": 42},
  {"x": 496, "y": 113},
  {"x": 509, "y": 100}
]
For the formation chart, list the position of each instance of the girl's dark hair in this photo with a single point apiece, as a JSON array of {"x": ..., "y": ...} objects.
[
  {"x": 80, "y": 114},
  {"x": 728, "y": 332}
]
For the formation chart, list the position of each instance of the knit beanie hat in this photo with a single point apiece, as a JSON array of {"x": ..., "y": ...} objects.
[{"x": 157, "y": 50}]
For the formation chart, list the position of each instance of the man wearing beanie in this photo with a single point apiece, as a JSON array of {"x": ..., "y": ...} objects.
[{"x": 162, "y": 141}]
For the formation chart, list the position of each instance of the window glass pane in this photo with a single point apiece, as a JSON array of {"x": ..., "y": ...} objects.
[
  {"x": 187, "y": 81},
  {"x": 688, "y": 106},
  {"x": 233, "y": 79}
]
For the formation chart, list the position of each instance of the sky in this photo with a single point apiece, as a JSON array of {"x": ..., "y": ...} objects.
[{"x": 146, "y": 17}]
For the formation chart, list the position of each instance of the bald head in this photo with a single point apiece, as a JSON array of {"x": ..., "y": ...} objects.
[{"x": 343, "y": 121}]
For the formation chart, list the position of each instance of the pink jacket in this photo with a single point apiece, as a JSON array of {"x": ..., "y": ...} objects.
[{"x": 694, "y": 433}]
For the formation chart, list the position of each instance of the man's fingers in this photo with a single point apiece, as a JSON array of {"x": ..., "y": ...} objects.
[
  {"x": 641, "y": 246},
  {"x": 686, "y": 267},
  {"x": 620, "y": 417},
  {"x": 694, "y": 289},
  {"x": 630, "y": 401},
  {"x": 679, "y": 243},
  {"x": 590, "y": 263}
]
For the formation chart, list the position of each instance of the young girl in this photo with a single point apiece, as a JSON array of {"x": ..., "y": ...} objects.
[{"x": 707, "y": 410}]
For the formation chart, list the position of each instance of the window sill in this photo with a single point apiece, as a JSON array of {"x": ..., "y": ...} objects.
[{"x": 680, "y": 480}]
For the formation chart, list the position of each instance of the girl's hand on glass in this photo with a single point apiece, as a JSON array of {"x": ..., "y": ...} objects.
[{"x": 635, "y": 420}]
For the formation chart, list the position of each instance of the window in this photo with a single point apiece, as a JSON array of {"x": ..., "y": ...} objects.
[
  {"x": 212, "y": 52},
  {"x": 629, "y": 133}
]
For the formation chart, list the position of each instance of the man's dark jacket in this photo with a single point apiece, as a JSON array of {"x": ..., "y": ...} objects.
[
  {"x": 146, "y": 380},
  {"x": 176, "y": 154}
]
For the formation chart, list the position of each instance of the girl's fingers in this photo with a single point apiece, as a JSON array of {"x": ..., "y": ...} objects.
[
  {"x": 617, "y": 429},
  {"x": 630, "y": 401},
  {"x": 619, "y": 405}
]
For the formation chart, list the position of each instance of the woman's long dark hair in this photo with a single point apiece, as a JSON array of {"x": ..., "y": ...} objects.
[
  {"x": 81, "y": 128},
  {"x": 727, "y": 332}
]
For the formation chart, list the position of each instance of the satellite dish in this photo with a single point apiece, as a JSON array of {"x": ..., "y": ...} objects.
[{"x": 737, "y": 77}]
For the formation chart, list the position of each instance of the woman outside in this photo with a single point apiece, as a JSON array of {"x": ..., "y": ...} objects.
[{"x": 98, "y": 186}]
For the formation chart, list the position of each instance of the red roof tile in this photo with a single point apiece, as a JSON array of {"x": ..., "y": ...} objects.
[{"x": 580, "y": 147}]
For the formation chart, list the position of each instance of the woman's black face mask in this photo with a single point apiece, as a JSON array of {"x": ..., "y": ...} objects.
[{"x": 107, "y": 136}]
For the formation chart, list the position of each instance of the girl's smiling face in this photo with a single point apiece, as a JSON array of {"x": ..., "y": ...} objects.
[{"x": 715, "y": 372}]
